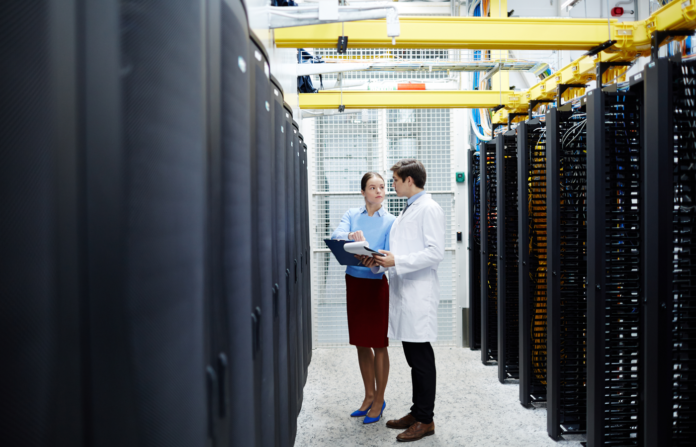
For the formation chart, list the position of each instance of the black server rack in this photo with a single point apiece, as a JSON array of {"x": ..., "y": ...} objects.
[
  {"x": 280, "y": 309},
  {"x": 303, "y": 257},
  {"x": 307, "y": 278},
  {"x": 614, "y": 244},
  {"x": 41, "y": 278},
  {"x": 474, "y": 251},
  {"x": 531, "y": 180},
  {"x": 291, "y": 256},
  {"x": 146, "y": 166},
  {"x": 298, "y": 265},
  {"x": 566, "y": 208},
  {"x": 669, "y": 413},
  {"x": 508, "y": 256},
  {"x": 262, "y": 236},
  {"x": 489, "y": 273}
]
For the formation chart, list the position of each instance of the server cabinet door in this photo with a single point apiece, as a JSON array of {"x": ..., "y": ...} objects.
[
  {"x": 235, "y": 168},
  {"x": 281, "y": 265},
  {"x": 489, "y": 276},
  {"x": 146, "y": 211},
  {"x": 299, "y": 254},
  {"x": 40, "y": 266},
  {"x": 262, "y": 162},
  {"x": 305, "y": 258},
  {"x": 308, "y": 265},
  {"x": 291, "y": 271},
  {"x": 474, "y": 242}
]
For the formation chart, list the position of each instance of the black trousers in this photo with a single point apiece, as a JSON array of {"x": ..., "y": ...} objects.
[{"x": 421, "y": 359}]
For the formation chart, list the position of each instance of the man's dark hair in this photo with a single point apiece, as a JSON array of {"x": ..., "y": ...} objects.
[
  {"x": 366, "y": 178},
  {"x": 410, "y": 167}
]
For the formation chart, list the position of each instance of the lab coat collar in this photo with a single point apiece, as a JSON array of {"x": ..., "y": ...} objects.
[
  {"x": 380, "y": 212},
  {"x": 415, "y": 197}
]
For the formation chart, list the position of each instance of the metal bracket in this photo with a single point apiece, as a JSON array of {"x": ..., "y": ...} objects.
[
  {"x": 658, "y": 37},
  {"x": 511, "y": 118},
  {"x": 342, "y": 45},
  {"x": 535, "y": 102},
  {"x": 496, "y": 108},
  {"x": 604, "y": 66},
  {"x": 601, "y": 47},
  {"x": 563, "y": 87}
]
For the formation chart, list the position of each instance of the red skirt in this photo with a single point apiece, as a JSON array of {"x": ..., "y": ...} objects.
[{"x": 368, "y": 311}]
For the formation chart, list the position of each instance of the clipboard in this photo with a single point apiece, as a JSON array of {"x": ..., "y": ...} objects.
[{"x": 342, "y": 256}]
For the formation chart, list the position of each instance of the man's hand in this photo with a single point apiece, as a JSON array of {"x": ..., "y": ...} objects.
[
  {"x": 367, "y": 261},
  {"x": 356, "y": 236},
  {"x": 385, "y": 261}
]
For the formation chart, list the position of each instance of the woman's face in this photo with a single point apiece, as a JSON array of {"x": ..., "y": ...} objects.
[{"x": 374, "y": 191}]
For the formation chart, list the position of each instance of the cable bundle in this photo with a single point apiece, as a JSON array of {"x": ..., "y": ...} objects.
[
  {"x": 684, "y": 269},
  {"x": 573, "y": 271},
  {"x": 511, "y": 259},
  {"x": 536, "y": 144},
  {"x": 623, "y": 268}
]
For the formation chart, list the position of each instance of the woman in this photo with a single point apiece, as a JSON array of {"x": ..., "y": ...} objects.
[{"x": 367, "y": 295}]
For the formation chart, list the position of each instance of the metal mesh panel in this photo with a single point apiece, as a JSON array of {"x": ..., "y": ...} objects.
[
  {"x": 573, "y": 272},
  {"x": 537, "y": 257},
  {"x": 623, "y": 271},
  {"x": 490, "y": 205},
  {"x": 683, "y": 329},
  {"x": 475, "y": 299},
  {"x": 347, "y": 146},
  {"x": 511, "y": 257}
]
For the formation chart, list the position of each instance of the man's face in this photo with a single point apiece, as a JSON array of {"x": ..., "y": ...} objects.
[{"x": 399, "y": 185}]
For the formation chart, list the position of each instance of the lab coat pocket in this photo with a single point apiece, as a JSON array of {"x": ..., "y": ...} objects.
[{"x": 418, "y": 303}]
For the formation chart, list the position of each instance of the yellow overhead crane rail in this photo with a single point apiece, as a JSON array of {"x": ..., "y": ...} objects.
[
  {"x": 633, "y": 39},
  {"x": 404, "y": 99},
  {"x": 476, "y": 33}
]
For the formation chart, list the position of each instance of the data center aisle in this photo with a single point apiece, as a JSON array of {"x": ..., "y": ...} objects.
[{"x": 471, "y": 409}]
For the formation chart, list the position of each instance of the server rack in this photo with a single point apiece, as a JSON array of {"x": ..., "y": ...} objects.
[
  {"x": 566, "y": 208},
  {"x": 474, "y": 251},
  {"x": 303, "y": 258},
  {"x": 614, "y": 244},
  {"x": 291, "y": 253},
  {"x": 262, "y": 236},
  {"x": 489, "y": 273},
  {"x": 508, "y": 256},
  {"x": 531, "y": 180},
  {"x": 668, "y": 414},
  {"x": 307, "y": 249},
  {"x": 280, "y": 309},
  {"x": 299, "y": 307},
  {"x": 43, "y": 267}
]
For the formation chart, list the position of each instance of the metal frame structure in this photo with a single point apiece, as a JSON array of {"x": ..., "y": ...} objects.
[
  {"x": 528, "y": 169},
  {"x": 564, "y": 208},
  {"x": 508, "y": 255},
  {"x": 474, "y": 253},
  {"x": 489, "y": 343},
  {"x": 614, "y": 245},
  {"x": 428, "y": 99}
]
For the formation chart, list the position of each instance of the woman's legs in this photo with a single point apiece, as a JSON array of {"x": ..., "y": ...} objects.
[
  {"x": 367, "y": 369},
  {"x": 381, "y": 375}
]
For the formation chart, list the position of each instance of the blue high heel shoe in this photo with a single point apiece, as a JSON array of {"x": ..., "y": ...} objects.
[
  {"x": 369, "y": 420},
  {"x": 360, "y": 413}
]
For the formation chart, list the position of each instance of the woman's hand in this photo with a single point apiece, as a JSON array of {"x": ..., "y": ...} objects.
[
  {"x": 367, "y": 261},
  {"x": 356, "y": 236}
]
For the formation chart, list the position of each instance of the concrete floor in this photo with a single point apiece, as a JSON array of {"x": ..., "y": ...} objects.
[{"x": 471, "y": 409}]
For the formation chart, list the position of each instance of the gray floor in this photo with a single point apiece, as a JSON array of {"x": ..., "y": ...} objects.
[{"x": 472, "y": 408}]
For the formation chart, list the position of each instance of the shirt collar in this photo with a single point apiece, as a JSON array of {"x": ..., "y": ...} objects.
[
  {"x": 415, "y": 197},
  {"x": 380, "y": 212}
]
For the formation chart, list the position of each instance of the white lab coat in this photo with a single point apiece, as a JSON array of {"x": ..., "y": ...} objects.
[{"x": 417, "y": 240}]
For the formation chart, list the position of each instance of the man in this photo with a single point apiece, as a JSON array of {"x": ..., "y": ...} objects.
[{"x": 417, "y": 243}]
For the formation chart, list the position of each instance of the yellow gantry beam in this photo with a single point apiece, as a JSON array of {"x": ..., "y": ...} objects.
[
  {"x": 428, "y": 99},
  {"x": 479, "y": 33}
]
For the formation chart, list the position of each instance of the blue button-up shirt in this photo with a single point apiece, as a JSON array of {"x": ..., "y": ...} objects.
[
  {"x": 375, "y": 229},
  {"x": 415, "y": 197}
]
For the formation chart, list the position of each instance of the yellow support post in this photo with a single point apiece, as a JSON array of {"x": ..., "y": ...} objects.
[{"x": 428, "y": 99}]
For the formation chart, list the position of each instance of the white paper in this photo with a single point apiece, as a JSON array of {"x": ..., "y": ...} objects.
[{"x": 358, "y": 248}]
